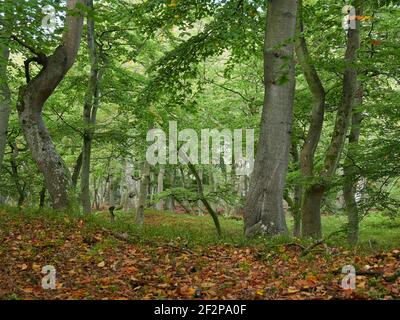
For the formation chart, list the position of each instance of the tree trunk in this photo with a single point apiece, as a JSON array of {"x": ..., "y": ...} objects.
[
  {"x": 5, "y": 101},
  {"x": 264, "y": 208},
  {"x": 111, "y": 200},
  {"x": 15, "y": 175},
  {"x": 313, "y": 192},
  {"x": 350, "y": 173},
  {"x": 203, "y": 199},
  {"x": 89, "y": 112},
  {"x": 311, "y": 218},
  {"x": 314, "y": 195},
  {"x": 144, "y": 185},
  {"x": 129, "y": 186},
  {"x": 96, "y": 202},
  {"x": 77, "y": 170},
  {"x": 32, "y": 98},
  {"x": 5, "y": 94},
  {"x": 160, "y": 187},
  {"x": 170, "y": 201},
  {"x": 297, "y": 197},
  {"x": 238, "y": 211},
  {"x": 42, "y": 197}
]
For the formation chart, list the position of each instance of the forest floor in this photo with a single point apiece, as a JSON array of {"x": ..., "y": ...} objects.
[{"x": 179, "y": 257}]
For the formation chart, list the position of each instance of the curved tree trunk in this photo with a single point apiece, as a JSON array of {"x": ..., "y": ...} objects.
[
  {"x": 313, "y": 196},
  {"x": 263, "y": 211},
  {"x": 311, "y": 219},
  {"x": 30, "y": 105}
]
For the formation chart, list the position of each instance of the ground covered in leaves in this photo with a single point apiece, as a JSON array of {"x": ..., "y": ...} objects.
[{"x": 94, "y": 262}]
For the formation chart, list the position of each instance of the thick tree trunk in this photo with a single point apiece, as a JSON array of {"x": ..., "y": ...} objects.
[
  {"x": 56, "y": 175},
  {"x": 313, "y": 196},
  {"x": 264, "y": 208},
  {"x": 89, "y": 113},
  {"x": 144, "y": 185},
  {"x": 311, "y": 219},
  {"x": 350, "y": 173},
  {"x": 30, "y": 105}
]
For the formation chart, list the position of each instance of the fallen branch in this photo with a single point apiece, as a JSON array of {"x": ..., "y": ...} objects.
[
  {"x": 311, "y": 247},
  {"x": 372, "y": 273}
]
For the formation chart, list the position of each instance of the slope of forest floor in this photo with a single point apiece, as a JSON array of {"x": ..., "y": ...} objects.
[{"x": 178, "y": 257}]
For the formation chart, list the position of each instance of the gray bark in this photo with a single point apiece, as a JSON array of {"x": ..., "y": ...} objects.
[
  {"x": 129, "y": 186},
  {"x": 264, "y": 209},
  {"x": 32, "y": 98}
]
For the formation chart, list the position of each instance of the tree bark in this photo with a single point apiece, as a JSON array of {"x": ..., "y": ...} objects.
[
  {"x": 311, "y": 226},
  {"x": 160, "y": 187},
  {"x": 15, "y": 175},
  {"x": 264, "y": 208},
  {"x": 297, "y": 197},
  {"x": 144, "y": 185},
  {"x": 32, "y": 98},
  {"x": 203, "y": 199},
  {"x": 42, "y": 197},
  {"x": 170, "y": 200},
  {"x": 310, "y": 220},
  {"x": 5, "y": 94},
  {"x": 89, "y": 112},
  {"x": 350, "y": 173},
  {"x": 77, "y": 171}
]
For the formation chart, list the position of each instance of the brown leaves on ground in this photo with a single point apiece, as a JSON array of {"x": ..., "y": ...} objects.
[{"x": 93, "y": 264}]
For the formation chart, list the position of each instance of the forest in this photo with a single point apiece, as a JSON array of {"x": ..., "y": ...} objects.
[{"x": 199, "y": 149}]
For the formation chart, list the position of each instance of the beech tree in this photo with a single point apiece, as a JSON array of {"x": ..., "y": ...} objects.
[
  {"x": 311, "y": 215},
  {"x": 32, "y": 98},
  {"x": 264, "y": 209}
]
